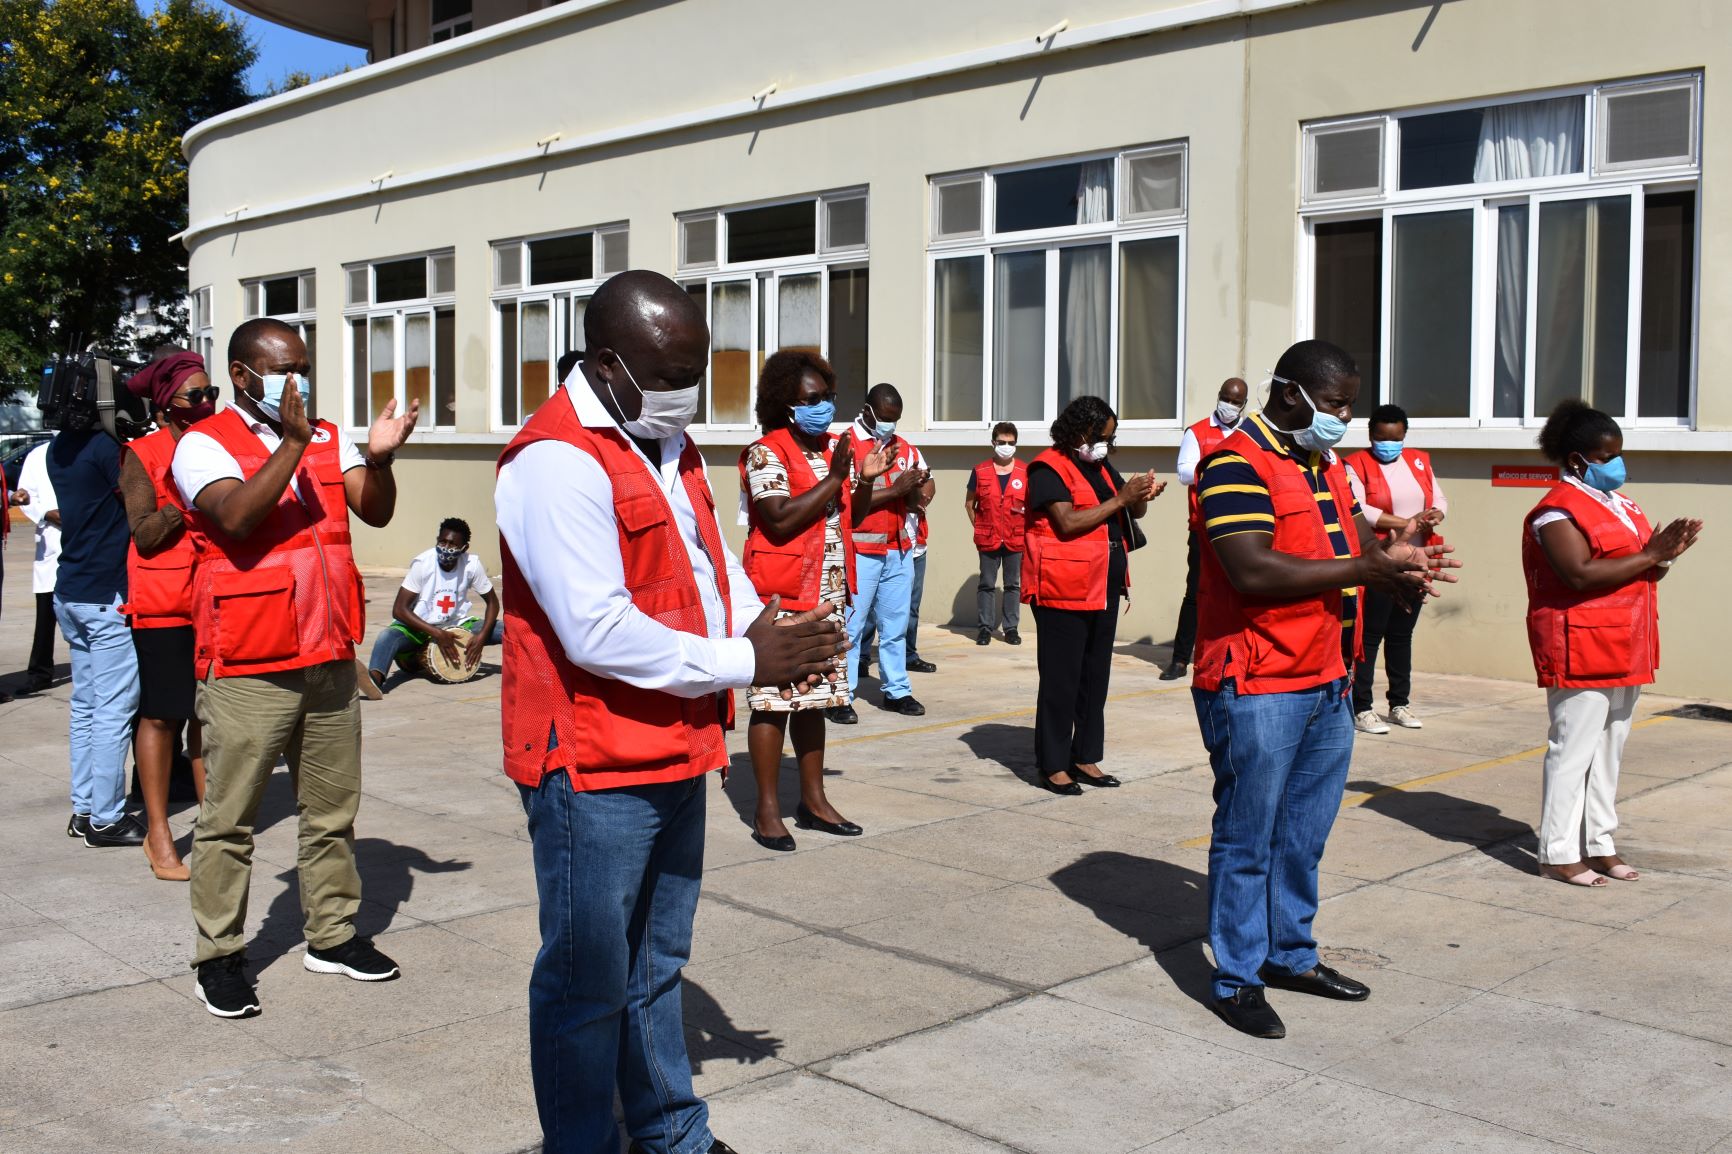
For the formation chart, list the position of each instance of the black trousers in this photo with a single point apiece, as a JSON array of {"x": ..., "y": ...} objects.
[
  {"x": 1390, "y": 627},
  {"x": 1185, "y": 639},
  {"x": 1075, "y": 658},
  {"x": 42, "y": 645}
]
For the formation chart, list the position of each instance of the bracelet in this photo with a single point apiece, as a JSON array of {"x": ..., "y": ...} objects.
[
  {"x": 1665, "y": 564},
  {"x": 371, "y": 463}
]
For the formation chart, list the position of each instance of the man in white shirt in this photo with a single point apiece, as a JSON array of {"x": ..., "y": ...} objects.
[
  {"x": 630, "y": 623},
  {"x": 433, "y": 600},
  {"x": 44, "y": 513}
]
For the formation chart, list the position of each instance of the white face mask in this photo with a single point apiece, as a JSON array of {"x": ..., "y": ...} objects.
[
  {"x": 1004, "y": 452},
  {"x": 1228, "y": 413},
  {"x": 663, "y": 414},
  {"x": 1096, "y": 452}
]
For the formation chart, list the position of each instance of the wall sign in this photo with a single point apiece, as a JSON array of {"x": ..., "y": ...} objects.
[{"x": 1524, "y": 476}]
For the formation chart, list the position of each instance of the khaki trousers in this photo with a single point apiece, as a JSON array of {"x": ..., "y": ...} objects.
[
  {"x": 1578, "y": 798},
  {"x": 312, "y": 717}
]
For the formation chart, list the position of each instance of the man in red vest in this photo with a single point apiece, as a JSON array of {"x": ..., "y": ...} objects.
[
  {"x": 1199, "y": 441},
  {"x": 995, "y": 501},
  {"x": 277, "y": 607},
  {"x": 629, "y": 624},
  {"x": 1287, "y": 552}
]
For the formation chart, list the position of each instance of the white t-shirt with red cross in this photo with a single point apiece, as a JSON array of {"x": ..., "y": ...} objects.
[{"x": 442, "y": 598}]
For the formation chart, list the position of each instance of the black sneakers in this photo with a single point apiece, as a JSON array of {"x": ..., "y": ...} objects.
[
  {"x": 917, "y": 665},
  {"x": 1012, "y": 637},
  {"x": 78, "y": 825},
  {"x": 356, "y": 957},
  {"x": 129, "y": 830},
  {"x": 906, "y": 706},
  {"x": 984, "y": 637},
  {"x": 841, "y": 715},
  {"x": 223, "y": 987}
]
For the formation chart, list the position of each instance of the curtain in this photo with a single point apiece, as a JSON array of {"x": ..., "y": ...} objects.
[
  {"x": 1094, "y": 192},
  {"x": 958, "y": 338},
  {"x": 1510, "y": 372},
  {"x": 1019, "y": 336},
  {"x": 1085, "y": 293},
  {"x": 1529, "y": 139}
]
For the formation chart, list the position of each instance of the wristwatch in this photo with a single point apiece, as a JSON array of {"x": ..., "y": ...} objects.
[{"x": 373, "y": 463}]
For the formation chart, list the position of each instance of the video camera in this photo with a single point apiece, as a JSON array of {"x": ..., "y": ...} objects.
[{"x": 85, "y": 390}]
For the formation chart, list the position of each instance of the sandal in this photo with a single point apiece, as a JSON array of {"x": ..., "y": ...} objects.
[
  {"x": 1582, "y": 877},
  {"x": 1613, "y": 866}
]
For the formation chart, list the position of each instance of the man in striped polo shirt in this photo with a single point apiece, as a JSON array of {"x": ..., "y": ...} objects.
[{"x": 1286, "y": 555}]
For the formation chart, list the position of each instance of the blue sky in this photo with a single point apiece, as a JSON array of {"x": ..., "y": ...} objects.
[{"x": 283, "y": 50}]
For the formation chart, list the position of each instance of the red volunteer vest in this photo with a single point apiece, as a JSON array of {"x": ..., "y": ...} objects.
[
  {"x": 885, "y": 527},
  {"x": 793, "y": 568},
  {"x": 999, "y": 514},
  {"x": 1209, "y": 437},
  {"x": 289, "y": 596},
  {"x": 1600, "y": 637},
  {"x": 1065, "y": 572},
  {"x": 159, "y": 587},
  {"x": 1377, "y": 494},
  {"x": 1269, "y": 645},
  {"x": 607, "y": 733}
]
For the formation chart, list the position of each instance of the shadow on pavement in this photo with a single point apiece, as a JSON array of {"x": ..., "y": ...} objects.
[
  {"x": 1162, "y": 905},
  {"x": 709, "y": 1032},
  {"x": 1011, "y": 746},
  {"x": 1448, "y": 818}
]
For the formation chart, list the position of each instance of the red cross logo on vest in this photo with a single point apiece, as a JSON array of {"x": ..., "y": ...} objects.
[{"x": 445, "y": 604}]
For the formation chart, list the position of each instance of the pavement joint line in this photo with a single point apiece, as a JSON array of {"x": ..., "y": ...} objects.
[{"x": 947, "y": 1123}]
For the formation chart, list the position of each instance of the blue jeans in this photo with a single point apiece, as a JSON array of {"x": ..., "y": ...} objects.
[
  {"x": 396, "y": 637},
  {"x": 618, "y": 873},
  {"x": 1280, "y": 762},
  {"x": 912, "y": 634},
  {"x": 883, "y": 599},
  {"x": 104, "y": 699}
]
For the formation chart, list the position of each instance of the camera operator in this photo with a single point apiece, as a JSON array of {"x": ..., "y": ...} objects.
[{"x": 84, "y": 469}]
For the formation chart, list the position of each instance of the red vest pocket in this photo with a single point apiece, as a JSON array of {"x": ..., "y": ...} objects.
[
  {"x": 255, "y": 612},
  {"x": 1599, "y": 641},
  {"x": 777, "y": 569},
  {"x": 160, "y": 586}
]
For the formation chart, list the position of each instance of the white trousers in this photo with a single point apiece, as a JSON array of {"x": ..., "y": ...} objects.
[{"x": 1578, "y": 801}]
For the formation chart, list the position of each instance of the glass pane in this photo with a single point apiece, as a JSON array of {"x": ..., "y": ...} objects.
[
  {"x": 700, "y": 240},
  {"x": 381, "y": 369},
  {"x": 359, "y": 416},
  {"x": 1155, "y": 184},
  {"x": 282, "y": 296},
  {"x": 731, "y": 353},
  {"x": 1648, "y": 126},
  {"x": 535, "y": 355},
  {"x": 615, "y": 251},
  {"x": 777, "y": 231},
  {"x": 958, "y": 338},
  {"x": 1055, "y": 196},
  {"x": 574, "y": 336},
  {"x": 799, "y": 313},
  {"x": 358, "y": 286},
  {"x": 1510, "y": 353},
  {"x": 1149, "y": 329},
  {"x": 1440, "y": 148},
  {"x": 508, "y": 364},
  {"x": 309, "y": 292},
  {"x": 1348, "y": 296},
  {"x": 1019, "y": 337},
  {"x": 561, "y": 258},
  {"x": 418, "y": 365},
  {"x": 1668, "y": 315},
  {"x": 250, "y": 301},
  {"x": 444, "y": 10},
  {"x": 445, "y": 368},
  {"x": 1350, "y": 160},
  {"x": 508, "y": 265},
  {"x": 1085, "y": 313},
  {"x": 1505, "y": 142},
  {"x": 1431, "y": 321},
  {"x": 444, "y": 274},
  {"x": 958, "y": 209},
  {"x": 310, "y": 338},
  {"x": 700, "y": 294},
  {"x": 848, "y": 293},
  {"x": 1583, "y": 306},
  {"x": 845, "y": 226},
  {"x": 400, "y": 280}
]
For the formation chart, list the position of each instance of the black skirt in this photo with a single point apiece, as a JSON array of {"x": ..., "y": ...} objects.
[{"x": 165, "y": 673}]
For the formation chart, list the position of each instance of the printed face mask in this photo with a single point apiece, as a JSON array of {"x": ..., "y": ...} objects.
[{"x": 448, "y": 557}]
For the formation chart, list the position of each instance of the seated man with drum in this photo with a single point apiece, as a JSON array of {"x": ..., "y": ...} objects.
[{"x": 435, "y": 627}]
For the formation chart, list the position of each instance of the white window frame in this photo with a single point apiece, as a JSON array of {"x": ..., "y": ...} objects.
[
  {"x": 990, "y": 244},
  {"x": 1595, "y": 181},
  {"x": 429, "y": 306},
  {"x": 302, "y": 317},
  {"x": 563, "y": 294},
  {"x": 823, "y": 262},
  {"x": 201, "y": 326},
  {"x": 452, "y": 28}
]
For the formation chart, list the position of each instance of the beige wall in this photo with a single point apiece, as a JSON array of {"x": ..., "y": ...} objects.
[{"x": 1238, "y": 100}]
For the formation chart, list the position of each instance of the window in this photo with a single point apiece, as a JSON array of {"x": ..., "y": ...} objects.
[
  {"x": 448, "y": 18},
  {"x": 201, "y": 327},
  {"x": 1059, "y": 280},
  {"x": 290, "y": 299},
  {"x": 1525, "y": 252},
  {"x": 787, "y": 275},
  {"x": 541, "y": 286},
  {"x": 401, "y": 324}
]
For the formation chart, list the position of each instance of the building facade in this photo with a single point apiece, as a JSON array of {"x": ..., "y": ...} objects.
[{"x": 999, "y": 206}]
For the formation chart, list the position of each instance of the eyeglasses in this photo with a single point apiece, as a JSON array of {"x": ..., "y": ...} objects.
[{"x": 1012, "y": 444}]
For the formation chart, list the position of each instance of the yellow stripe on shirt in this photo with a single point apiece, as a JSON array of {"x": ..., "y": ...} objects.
[
  {"x": 1239, "y": 518},
  {"x": 1259, "y": 490}
]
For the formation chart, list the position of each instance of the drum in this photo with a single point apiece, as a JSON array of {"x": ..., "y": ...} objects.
[{"x": 444, "y": 672}]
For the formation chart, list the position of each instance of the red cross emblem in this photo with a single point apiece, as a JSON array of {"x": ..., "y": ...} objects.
[{"x": 445, "y": 603}]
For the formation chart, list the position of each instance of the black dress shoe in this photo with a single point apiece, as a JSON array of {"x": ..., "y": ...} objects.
[
  {"x": 38, "y": 684},
  {"x": 806, "y": 819},
  {"x": 127, "y": 831},
  {"x": 1248, "y": 1012},
  {"x": 919, "y": 666},
  {"x": 984, "y": 637},
  {"x": 906, "y": 706},
  {"x": 78, "y": 825},
  {"x": 1321, "y": 981},
  {"x": 1175, "y": 670},
  {"x": 1104, "y": 781},
  {"x": 1012, "y": 637},
  {"x": 1069, "y": 789},
  {"x": 841, "y": 715},
  {"x": 783, "y": 844}
]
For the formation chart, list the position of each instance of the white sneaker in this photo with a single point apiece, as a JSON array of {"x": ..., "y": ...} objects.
[
  {"x": 1403, "y": 717},
  {"x": 1367, "y": 721}
]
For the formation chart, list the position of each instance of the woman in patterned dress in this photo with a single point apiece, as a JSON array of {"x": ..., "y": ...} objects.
[{"x": 795, "y": 482}]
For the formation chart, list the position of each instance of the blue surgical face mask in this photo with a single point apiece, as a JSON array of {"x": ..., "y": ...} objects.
[
  {"x": 1325, "y": 430},
  {"x": 885, "y": 430},
  {"x": 271, "y": 404},
  {"x": 1605, "y": 476},
  {"x": 1386, "y": 451},
  {"x": 815, "y": 418}
]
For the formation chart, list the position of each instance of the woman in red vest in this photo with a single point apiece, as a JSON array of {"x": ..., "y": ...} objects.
[
  {"x": 798, "y": 547},
  {"x": 995, "y": 501},
  {"x": 1592, "y": 563},
  {"x": 1078, "y": 529},
  {"x": 159, "y": 590}
]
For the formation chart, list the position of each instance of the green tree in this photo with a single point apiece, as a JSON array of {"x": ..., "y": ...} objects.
[{"x": 94, "y": 98}]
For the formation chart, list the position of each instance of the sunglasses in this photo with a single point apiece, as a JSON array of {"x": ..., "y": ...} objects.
[{"x": 193, "y": 396}]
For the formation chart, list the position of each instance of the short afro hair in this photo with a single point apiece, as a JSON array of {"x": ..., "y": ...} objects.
[
  {"x": 779, "y": 385},
  {"x": 1081, "y": 422},
  {"x": 457, "y": 525},
  {"x": 1389, "y": 415},
  {"x": 1575, "y": 427}
]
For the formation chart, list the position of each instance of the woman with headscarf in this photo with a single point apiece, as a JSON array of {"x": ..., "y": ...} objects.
[{"x": 159, "y": 590}]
